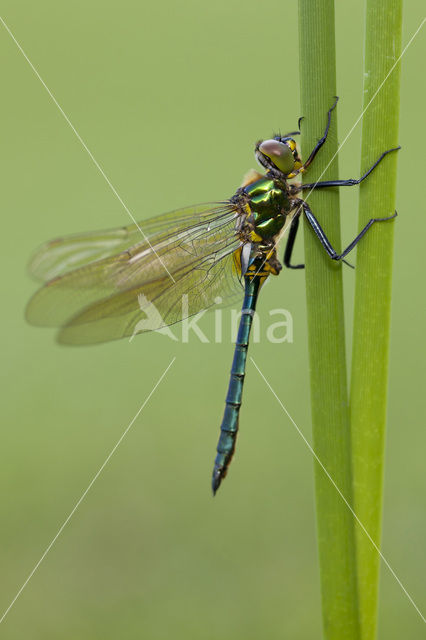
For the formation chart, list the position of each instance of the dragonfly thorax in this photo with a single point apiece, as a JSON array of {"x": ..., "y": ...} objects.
[{"x": 267, "y": 206}]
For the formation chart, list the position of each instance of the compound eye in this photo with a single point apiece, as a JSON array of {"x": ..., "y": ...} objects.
[{"x": 279, "y": 153}]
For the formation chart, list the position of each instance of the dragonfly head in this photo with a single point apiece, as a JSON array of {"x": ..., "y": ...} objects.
[{"x": 280, "y": 154}]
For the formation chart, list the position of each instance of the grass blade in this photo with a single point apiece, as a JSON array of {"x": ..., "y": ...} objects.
[
  {"x": 373, "y": 294},
  {"x": 329, "y": 399}
]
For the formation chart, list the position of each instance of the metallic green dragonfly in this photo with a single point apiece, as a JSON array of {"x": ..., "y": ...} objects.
[{"x": 94, "y": 282}]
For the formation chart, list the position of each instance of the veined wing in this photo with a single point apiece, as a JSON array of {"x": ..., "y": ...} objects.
[
  {"x": 154, "y": 305},
  {"x": 189, "y": 243},
  {"x": 61, "y": 255}
]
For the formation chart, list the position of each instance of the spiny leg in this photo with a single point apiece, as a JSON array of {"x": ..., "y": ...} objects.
[
  {"x": 294, "y": 226},
  {"x": 294, "y": 133},
  {"x": 344, "y": 183},
  {"x": 291, "y": 133},
  {"x": 321, "y": 140},
  {"x": 320, "y": 233}
]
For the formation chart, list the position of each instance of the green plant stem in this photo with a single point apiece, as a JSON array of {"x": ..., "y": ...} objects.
[
  {"x": 373, "y": 294},
  {"x": 329, "y": 399}
]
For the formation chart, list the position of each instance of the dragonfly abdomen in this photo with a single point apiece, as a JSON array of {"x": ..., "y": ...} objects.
[{"x": 229, "y": 426}]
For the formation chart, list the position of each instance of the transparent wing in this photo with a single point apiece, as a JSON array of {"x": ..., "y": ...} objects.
[
  {"x": 100, "y": 301},
  {"x": 61, "y": 255},
  {"x": 154, "y": 305}
]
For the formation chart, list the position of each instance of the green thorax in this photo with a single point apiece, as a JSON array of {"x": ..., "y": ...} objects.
[{"x": 269, "y": 205}]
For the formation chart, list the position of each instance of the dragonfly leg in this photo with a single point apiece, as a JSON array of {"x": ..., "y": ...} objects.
[
  {"x": 344, "y": 183},
  {"x": 291, "y": 133},
  {"x": 294, "y": 133},
  {"x": 321, "y": 140},
  {"x": 294, "y": 226},
  {"x": 319, "y": 232}
]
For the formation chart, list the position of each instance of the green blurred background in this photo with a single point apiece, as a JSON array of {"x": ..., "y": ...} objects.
[{"x": 170, "y": 98}]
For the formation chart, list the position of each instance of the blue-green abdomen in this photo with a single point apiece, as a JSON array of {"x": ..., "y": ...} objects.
[{"x": 229, "y": 426}]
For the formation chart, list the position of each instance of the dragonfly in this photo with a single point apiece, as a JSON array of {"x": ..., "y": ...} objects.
[{"x": 98, "y": 285}]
